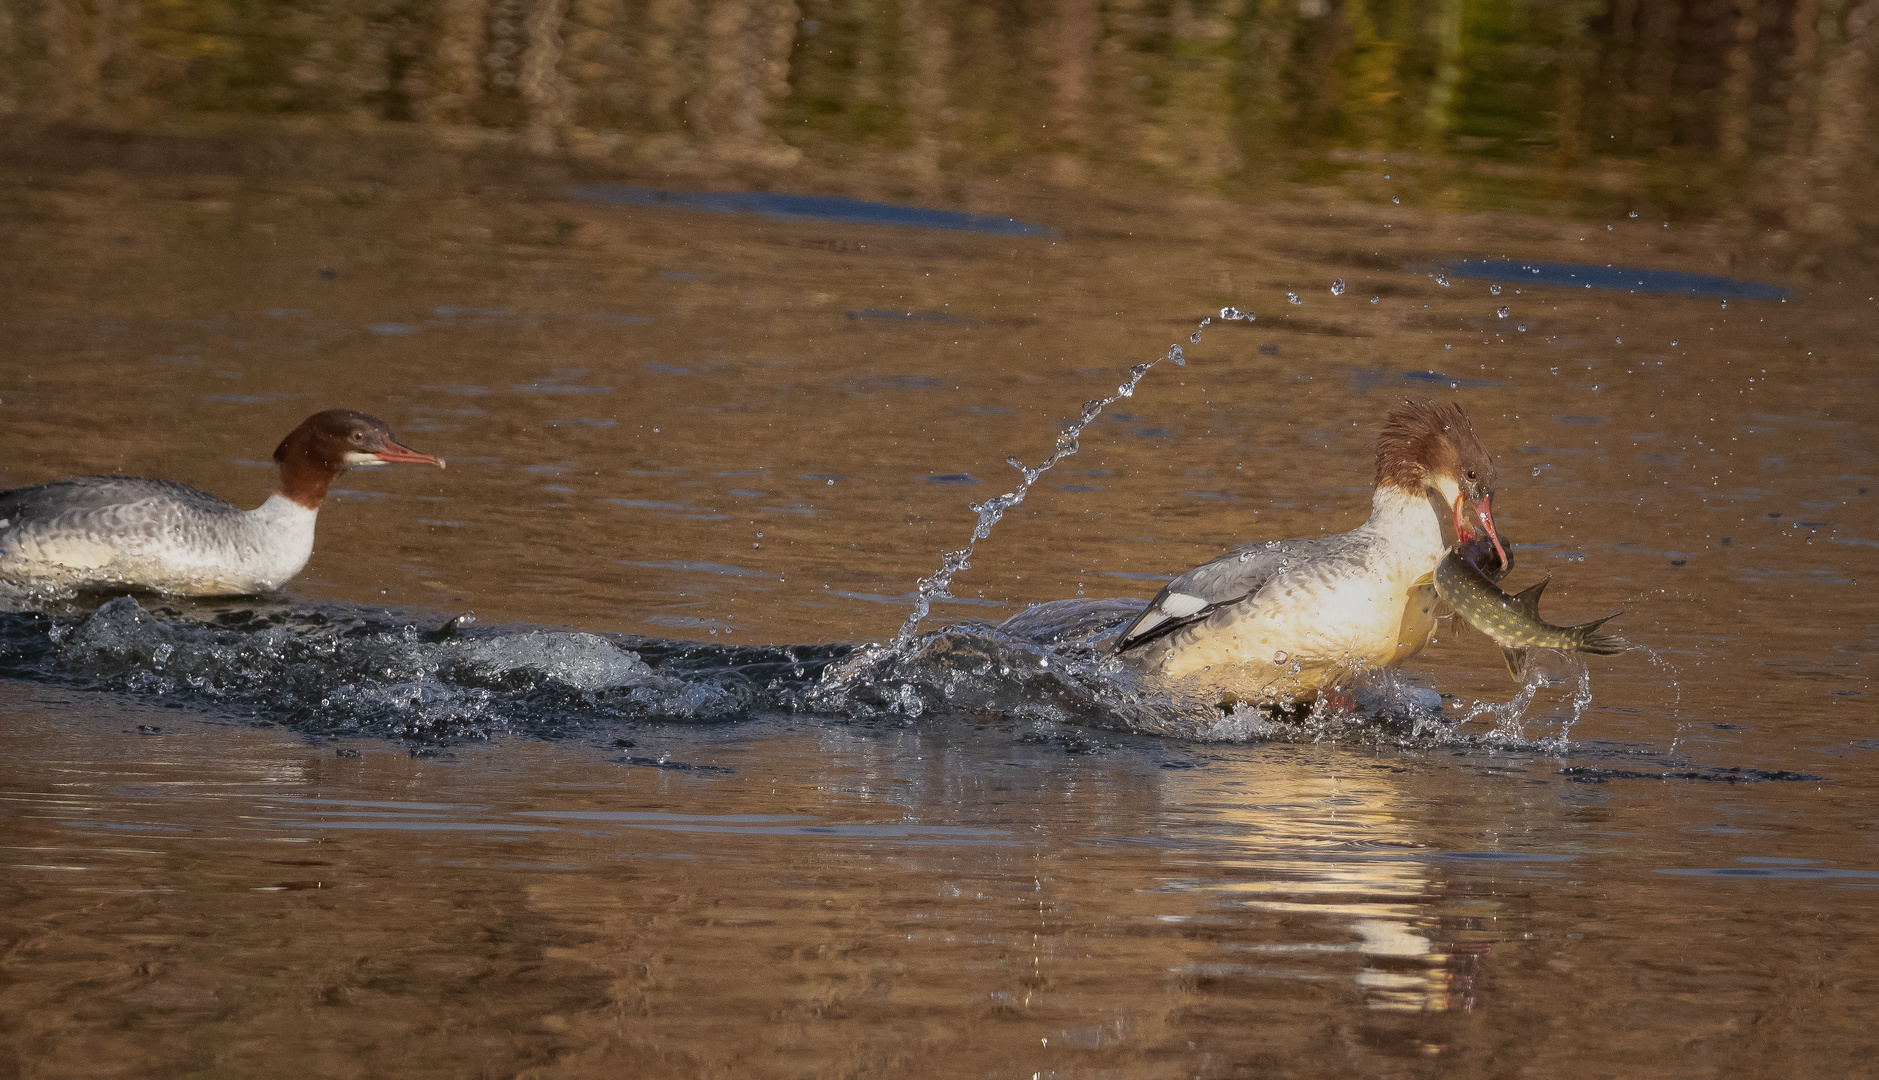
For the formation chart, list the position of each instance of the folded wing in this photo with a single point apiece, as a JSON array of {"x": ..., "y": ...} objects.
[{"x": 1230, "y": 579}]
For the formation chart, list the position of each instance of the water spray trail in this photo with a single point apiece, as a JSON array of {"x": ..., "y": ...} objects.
[{"x": 991, "y": 510}]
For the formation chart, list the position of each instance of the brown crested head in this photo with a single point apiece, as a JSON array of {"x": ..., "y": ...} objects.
[
  {"x": 328, "y": 443},
  {"x": 1427, "y": 446}
]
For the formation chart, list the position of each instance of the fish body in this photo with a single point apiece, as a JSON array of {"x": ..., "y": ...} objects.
[{"x": 1514, "y": 622}]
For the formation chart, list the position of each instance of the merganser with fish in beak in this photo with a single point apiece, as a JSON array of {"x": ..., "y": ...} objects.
[{"x": 1270, "y": 622}]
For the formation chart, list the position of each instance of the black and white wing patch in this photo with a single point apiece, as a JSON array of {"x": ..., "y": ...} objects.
[{"x": 1203, "y": 590}]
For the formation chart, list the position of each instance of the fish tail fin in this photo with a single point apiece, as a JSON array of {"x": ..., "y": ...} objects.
[
  {"x": 1584, "y": 640},
  {"x": 1516, "y": 662}
]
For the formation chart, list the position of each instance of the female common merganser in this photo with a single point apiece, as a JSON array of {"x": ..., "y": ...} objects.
[
  {"x": 126, "y": 532},
  {"x": 1271, "y": 622}
]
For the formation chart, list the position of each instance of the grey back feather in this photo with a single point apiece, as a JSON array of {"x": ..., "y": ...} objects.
[
  {"x": 103, "y": 505},
  {"x": 1239, "y": 575}
]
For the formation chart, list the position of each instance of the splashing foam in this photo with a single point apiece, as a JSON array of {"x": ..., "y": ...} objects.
[
  {"x": 327, "y": 676},
  {"x": 992, "y": 510},
  {"x": 857, "y": 680},
  {"x": 1546, "y": 669},
  {"x": 1051, "y": 667}
]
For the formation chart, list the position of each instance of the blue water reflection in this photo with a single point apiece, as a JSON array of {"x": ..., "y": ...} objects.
[
  {"x": 784, "y": 207},
  {"x": 1628, "y": 278}
]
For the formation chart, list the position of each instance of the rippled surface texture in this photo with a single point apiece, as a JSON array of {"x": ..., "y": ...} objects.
[{"x": 584, "y": 757}]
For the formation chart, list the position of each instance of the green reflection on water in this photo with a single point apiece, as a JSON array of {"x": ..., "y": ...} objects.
[{"x": 1762, "y": 110}]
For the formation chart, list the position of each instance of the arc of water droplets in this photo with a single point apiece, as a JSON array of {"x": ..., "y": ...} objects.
[{"x": 991, "y": 510}]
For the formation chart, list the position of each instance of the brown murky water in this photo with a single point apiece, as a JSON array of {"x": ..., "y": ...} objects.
[{"x": 677, "y": 424}]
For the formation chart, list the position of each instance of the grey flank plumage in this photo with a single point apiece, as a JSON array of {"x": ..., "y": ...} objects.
[
  {"x": 81, "y": 500},
  {"x": 1235, "y": 577},
  {"x": 1514, "y": 622},
  {"x": 111, "y": 530},
  {"x": 120, "y": 506}
]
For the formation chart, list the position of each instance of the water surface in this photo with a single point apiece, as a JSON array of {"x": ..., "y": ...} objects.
[{"x": 615, "y": 822}]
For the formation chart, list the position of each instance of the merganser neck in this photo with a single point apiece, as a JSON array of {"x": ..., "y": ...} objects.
[
  {"x": 1406, "y": 521},
  {"x": 303, "y": 480}
]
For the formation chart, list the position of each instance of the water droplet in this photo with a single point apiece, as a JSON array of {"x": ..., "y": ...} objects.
[
  {"x": 1232, "y": 314},
  {"x": 1620, "y": 341},
  {"x": 1281, "y": 656},
  {"x": 1442, "y": 281},
  {"x": 1194, "y": 338},
  {"x": 1374, "y": 299},
  {"x": 1494, "y": 290},
  {"x": 1725, "y": 303},
  {"x": 1501, "y": 311},
  {"x": 1292, "y": 299},
  {"x": 1673, "y": 341},
  {"x": 1522, "y": 328},
  {"x": 1174, "y": 353},
  {"x": 1337, "y": 287},
  {"x": 1634, "y": 213},
  {"x": 1396, "y": 200}
]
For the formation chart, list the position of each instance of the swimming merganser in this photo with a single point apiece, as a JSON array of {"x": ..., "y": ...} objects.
[
  {"x": 1271, "y": 622},
  {"x": 119, "y": 531}
]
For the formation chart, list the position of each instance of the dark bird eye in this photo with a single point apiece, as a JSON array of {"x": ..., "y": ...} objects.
[
  {"x": 359, "y": 436},
  {"x": 1471, "y": 474}
]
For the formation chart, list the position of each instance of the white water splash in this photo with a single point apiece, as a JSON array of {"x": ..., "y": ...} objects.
[
  {"x": 1510, "y": 717},
  {"x": 992, "y": 510},
  {"x": 1662, "y": 664}
]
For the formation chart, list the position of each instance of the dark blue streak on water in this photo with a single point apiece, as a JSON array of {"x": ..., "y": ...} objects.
[
  {"x": 1365, "y": 380},
  {"x": 781, "y": 207},
  {"x": 1592, "y": 774},
  {"x": 1627, "y": 278},
  {"x": 1782, "y": 873}
]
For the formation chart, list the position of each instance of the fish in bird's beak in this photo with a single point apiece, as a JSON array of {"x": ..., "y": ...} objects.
[{"x": 1487, "y": 522}]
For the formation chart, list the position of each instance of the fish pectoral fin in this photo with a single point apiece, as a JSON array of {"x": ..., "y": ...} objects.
[
  {"x": 1516, "y": 661},
  {"x": 1529, "y": 598}
]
